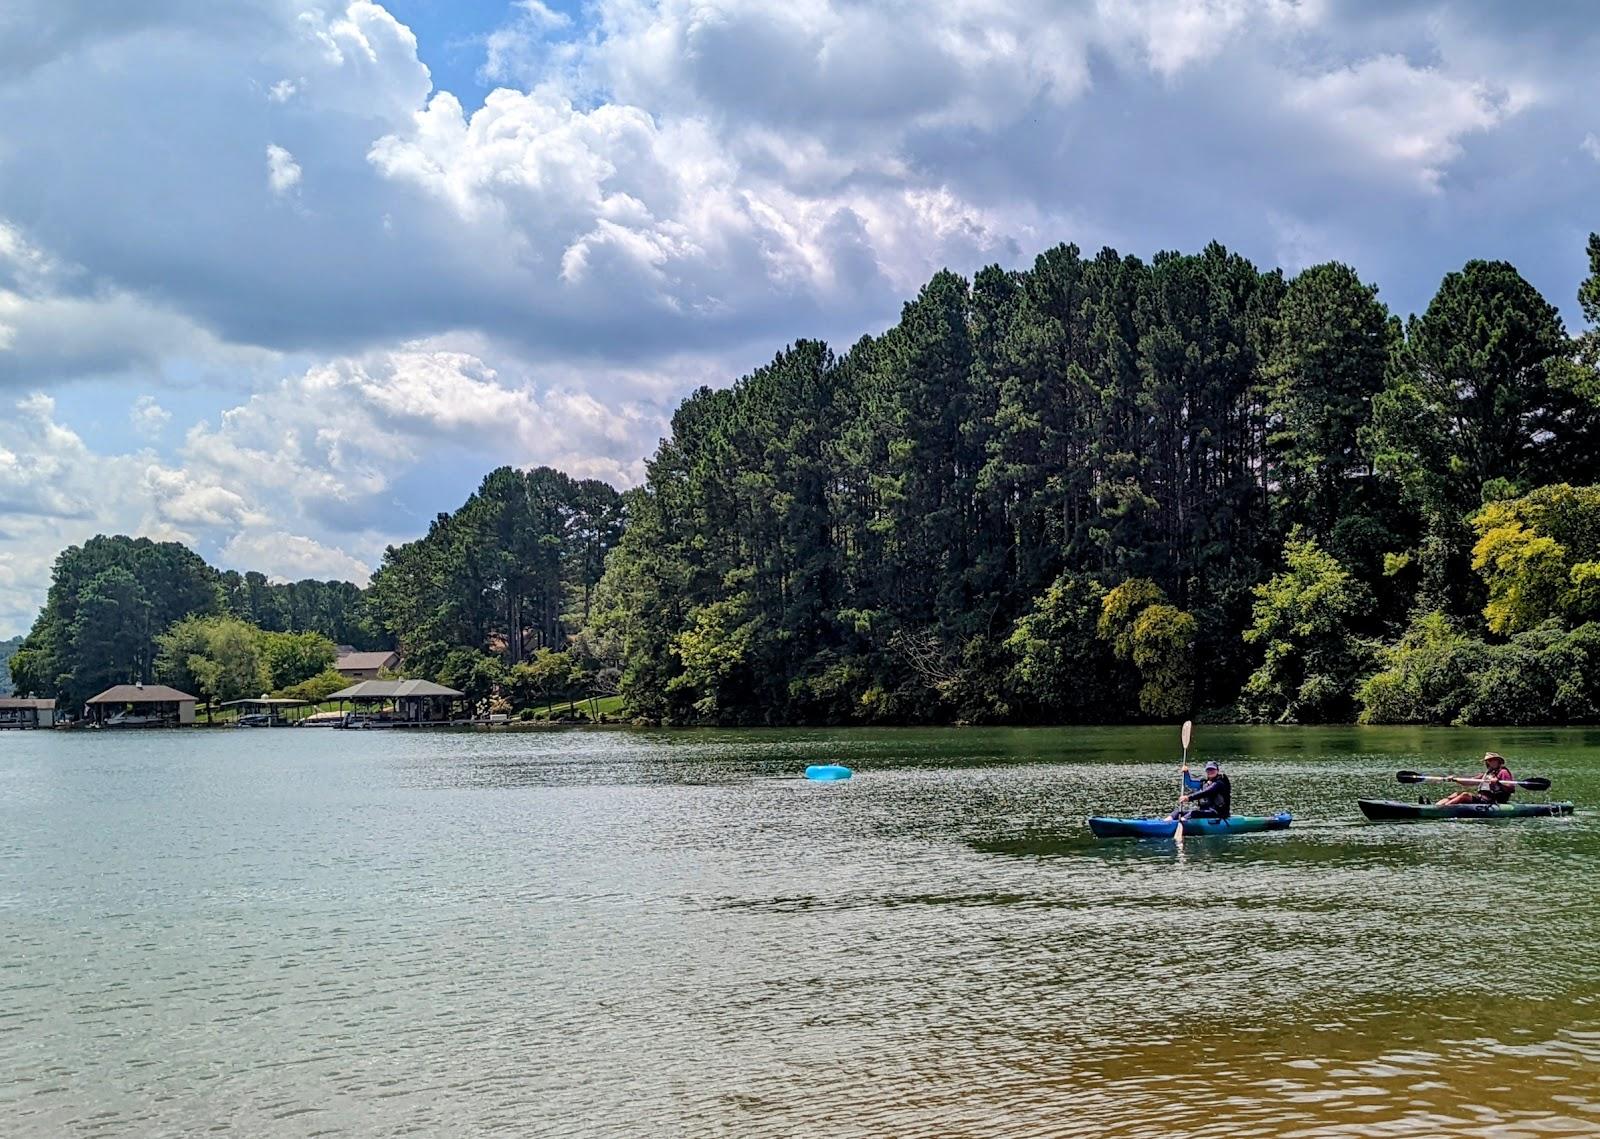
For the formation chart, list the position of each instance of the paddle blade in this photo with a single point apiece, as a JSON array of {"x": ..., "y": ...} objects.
[
  {"x": 1188, "y": 733},
  {"x": 1537, "y": 783}
]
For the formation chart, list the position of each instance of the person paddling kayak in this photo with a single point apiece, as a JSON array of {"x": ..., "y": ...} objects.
[
  {"x": 1495, "y": 788},
  {"x": 1210, "y": 798}
]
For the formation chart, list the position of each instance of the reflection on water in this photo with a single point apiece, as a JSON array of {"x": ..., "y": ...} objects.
[{"x": 620, "y": 933}]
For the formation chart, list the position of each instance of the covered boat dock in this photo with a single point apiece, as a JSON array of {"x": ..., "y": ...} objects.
[
  {"x": 401, "y": 704},
  {"x": 141, "y": 706},
  {"x": 27, "y": 712},
  {"x": 265, "y": 711}
]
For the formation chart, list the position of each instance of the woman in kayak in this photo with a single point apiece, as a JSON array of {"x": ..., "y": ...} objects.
[
  {"x": 1494, "y": 788},
  {"x": 1210, "y": 799}
]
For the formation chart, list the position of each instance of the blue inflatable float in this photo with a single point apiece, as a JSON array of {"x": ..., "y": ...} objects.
[{"x": 826, "y": 771}]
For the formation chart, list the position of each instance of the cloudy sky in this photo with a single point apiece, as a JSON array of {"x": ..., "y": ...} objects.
[{"x": 282, "y": 281}]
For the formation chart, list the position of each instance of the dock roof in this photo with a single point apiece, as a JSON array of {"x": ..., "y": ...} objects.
[
  {"x": 389, "y": 689},
  {"x": 140, "y": 694}
]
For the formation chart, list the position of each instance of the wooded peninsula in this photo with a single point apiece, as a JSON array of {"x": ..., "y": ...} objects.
[{"x": 1104, "y": 489}]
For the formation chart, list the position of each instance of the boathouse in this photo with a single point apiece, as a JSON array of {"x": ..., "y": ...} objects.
[
  {"x": 400, "y": 704},
  {"x": 364, "y": 666},
  {"x": 141, "y": 706},
  {"x": 27, "y": 712}
]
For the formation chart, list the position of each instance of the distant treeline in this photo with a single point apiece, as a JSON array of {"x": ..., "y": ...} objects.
[
  {"x": 113, "y": 599},
  {"x": 1100, "y": 489},
  {"x": 484, "y": 602}
]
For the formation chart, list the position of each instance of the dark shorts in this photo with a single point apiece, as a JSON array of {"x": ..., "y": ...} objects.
[{"x": 1200, "y": 813}]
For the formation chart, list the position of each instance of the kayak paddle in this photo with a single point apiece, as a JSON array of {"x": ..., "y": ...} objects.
[
  {"x": 1183, "y": 783},
  {"x": 1538, "y": 783}
]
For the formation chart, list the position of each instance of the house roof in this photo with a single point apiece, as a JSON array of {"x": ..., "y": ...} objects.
[
  {"x": 12, "y": 702},
  {"x": 354, "y": 660},
  {"x": 388, "y": 689},
  {"x": 140, "y": 694}
]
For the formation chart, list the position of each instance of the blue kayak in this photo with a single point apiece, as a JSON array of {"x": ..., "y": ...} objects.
[
  {"x": 828, "y": 771},
  {"x": 1206, "y": 828}
]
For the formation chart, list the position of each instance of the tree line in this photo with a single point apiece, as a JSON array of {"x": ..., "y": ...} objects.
[
  {"x": 490, "y": 601},
  {"x": 1101, "y": 488},
  {"x": 1109, "y": 489},
  {"x": 116, "y": 604}
]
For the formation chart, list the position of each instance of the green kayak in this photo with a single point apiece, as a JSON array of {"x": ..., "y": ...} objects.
[{"x": 1391, "y": 810}]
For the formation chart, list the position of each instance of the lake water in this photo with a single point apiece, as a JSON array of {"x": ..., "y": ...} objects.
[{"x": 296, "y": 933}]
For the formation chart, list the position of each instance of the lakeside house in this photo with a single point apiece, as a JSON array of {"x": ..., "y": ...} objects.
[
  {"x": 364, "y": 665},
  {"x": 27, "y": 712},
  {"x": 141, "y": 706}
]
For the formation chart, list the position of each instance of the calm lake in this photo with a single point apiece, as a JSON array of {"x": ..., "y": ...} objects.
[{"x": 303, "y": 932}]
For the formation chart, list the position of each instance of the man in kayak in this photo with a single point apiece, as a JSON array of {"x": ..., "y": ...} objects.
[
  {"x": 1210, "y": 798},
  {"x": 1494, "y": 788}
]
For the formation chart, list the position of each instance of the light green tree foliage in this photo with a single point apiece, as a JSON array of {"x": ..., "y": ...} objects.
[
  {"x": 1158, "y": 638},
  {"x": 716, "y": 654},
  {"x": 472, "y": 673},
  {"x": 1539, "y": 555},
  {"x": 1439, "y": 675},
  {"x": 1163, "y": 650},
  {"x": 1305, "y": 621},
  {"x": 1058, "y": 661},
  {"x": 215, "y": 658},
  {"x": 1428, "y": 677},
  {"x": 1120, "y": 609},
  {"x": 290, "y": 658},
  {"x": 317, "y": 688},
  {"x": 543, "y": 678}
]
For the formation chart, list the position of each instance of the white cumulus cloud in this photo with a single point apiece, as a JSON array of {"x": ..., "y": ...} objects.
[
  {"x": 283, "y": 172},
  {"x": 284, "y": 556},
  {"x": 1408, "y": 118},
  {"x": 148, "y": 416},
  {"x": 660, "y": 194}
]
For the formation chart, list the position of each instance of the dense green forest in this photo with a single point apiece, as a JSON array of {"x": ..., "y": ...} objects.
[
  {"x": 1108, "y": 489},
  {"x": 1099, "y": 489}
]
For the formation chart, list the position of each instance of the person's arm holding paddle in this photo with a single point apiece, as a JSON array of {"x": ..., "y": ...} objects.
[{"x": 1494, "y": 786}]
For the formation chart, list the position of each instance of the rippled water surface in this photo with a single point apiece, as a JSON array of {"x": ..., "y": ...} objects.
[{"x": 287, "y": 933}]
